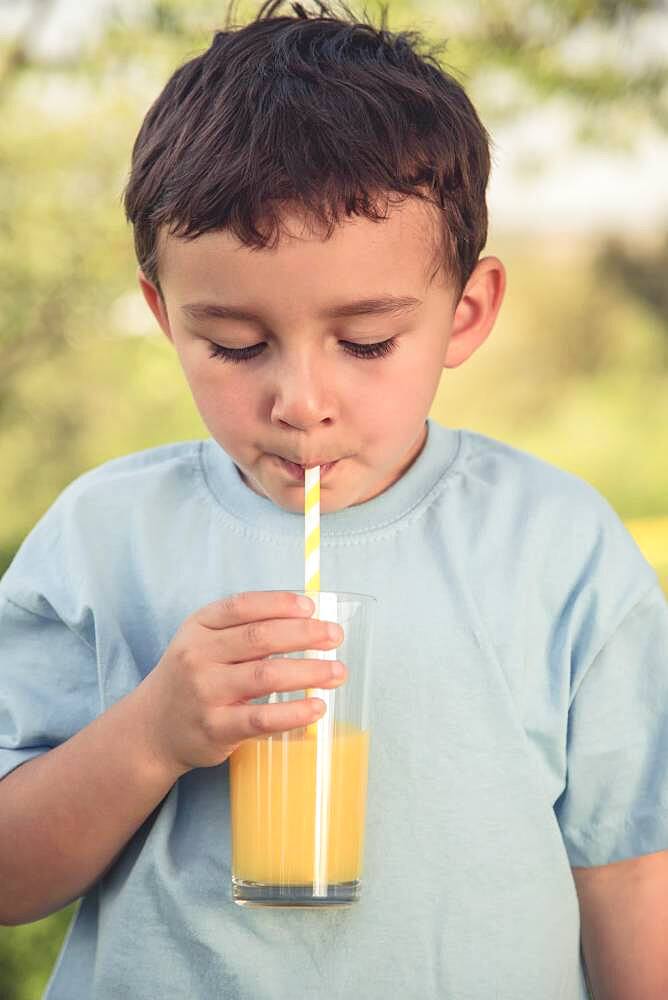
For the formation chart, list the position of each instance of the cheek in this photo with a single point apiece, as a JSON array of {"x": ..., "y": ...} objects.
[
  {"x": 215, "y": 389},
  {"x": 228, "y": 399},
  {"x": 402, "y": 393},
  {"x": 388, "y": 410}
]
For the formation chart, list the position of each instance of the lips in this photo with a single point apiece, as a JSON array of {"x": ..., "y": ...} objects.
[{"x": 297, "y": 471}]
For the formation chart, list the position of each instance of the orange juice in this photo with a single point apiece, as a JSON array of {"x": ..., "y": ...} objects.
[{"x": 273, "y": 803}]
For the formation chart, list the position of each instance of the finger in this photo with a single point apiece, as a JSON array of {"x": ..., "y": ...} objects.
[
  {"x": 253, "y": 605},
  {"x": 255, "y": 680},
  {"x": 242, "y": 722},
  {"x": 258, "y": 639}
]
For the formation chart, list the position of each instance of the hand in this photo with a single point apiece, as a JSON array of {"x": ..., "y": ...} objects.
[{"x": 196, "y": 698}]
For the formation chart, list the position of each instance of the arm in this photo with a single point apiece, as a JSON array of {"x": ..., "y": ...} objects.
[
  {"x": 624, "y": 921},
  {"x": 65, "y": 816}
]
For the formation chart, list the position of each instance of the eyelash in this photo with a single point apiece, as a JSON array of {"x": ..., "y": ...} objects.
[{"x": 366, "y": 351}]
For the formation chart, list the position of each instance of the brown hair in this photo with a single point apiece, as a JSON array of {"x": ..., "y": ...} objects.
[{"x": 313, "y": 111}]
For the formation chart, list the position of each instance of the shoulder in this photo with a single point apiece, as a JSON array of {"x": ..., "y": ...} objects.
[
  {"x": 512, "y": 480},
  {"x": 97, "y": 521},
  {"x": 499, "y": 465},
  {"x": 553, "y": 530},
  {"x": 164, "y": 461},
  {"x": 125, "y": 484}
]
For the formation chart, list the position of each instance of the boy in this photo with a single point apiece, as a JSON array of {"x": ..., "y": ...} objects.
[{"x": 308, "y": 203}]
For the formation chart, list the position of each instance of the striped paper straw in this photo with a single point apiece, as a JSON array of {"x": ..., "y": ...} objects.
[
  {"x": 322, "y": 729},
  {"x": 312, "y": 529}
]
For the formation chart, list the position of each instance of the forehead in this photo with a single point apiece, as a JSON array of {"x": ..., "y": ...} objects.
[{"x": 398, "y": 254}]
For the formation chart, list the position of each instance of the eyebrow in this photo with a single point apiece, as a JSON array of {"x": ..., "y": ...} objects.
[{"x": 380, "y": 305}]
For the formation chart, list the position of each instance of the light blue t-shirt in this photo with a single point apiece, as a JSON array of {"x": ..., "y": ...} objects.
[{"x": 519, "y": 721}]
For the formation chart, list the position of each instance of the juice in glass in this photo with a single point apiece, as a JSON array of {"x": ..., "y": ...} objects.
[{"x": 273, "y": 807}]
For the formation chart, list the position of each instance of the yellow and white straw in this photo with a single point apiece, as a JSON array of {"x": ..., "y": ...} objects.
[
  {"x": 322, "y": 730},
  {"x": 312, "y": 529}
]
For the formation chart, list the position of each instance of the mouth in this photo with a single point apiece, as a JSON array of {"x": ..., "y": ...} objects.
[{"x": 297, "y": 472}]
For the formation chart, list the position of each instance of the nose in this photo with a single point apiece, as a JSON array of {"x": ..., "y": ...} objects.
[{"x": 302, "y": 392}]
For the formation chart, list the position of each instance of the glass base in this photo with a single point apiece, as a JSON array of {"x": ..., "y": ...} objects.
[{"x": 294, "y": 896}]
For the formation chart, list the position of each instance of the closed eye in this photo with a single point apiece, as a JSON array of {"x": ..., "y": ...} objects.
[{"x": 379, "y": 350}]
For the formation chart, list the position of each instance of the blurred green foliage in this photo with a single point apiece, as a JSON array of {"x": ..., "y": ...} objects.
[
  {"x": 575, "y": 370},
  {"x": 28, "y": 954}
]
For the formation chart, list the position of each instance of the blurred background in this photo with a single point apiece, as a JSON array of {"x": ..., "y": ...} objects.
[{"x": 575, "y": 96}]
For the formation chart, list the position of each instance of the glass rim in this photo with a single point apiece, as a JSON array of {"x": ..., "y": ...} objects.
[{"x": 337, "y": 593}]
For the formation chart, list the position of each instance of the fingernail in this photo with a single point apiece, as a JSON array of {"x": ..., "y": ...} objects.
[
  {"x": 305, "y": 604},
  {"x": 333, "y": 631}
]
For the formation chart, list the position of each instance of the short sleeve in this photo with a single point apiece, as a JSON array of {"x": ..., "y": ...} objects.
[
  {"x": 48, "y": 683},
  {"x": 615, "y": 804}
]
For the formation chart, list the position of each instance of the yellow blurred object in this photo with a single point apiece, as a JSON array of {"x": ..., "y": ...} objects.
[{"x": 651, "y": 535}]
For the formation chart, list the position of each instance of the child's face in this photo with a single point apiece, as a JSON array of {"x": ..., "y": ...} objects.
[{"x": 304, "y": 397}]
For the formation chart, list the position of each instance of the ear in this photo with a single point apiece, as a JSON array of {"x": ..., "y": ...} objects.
[
  {"x": 155, "y": 302},
  {"x": 476, "y": 311}
]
